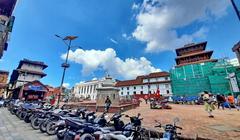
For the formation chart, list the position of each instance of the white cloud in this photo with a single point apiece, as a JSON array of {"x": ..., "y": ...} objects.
[
  {"x": 234, "y": 62},
  {"x": 127, "y": 37},
  {"x": 66, "y": 85},
  {"x": 158, "y": 21},
  {"x": 135, "y": 6},
  {"x": 95, "y": 78},
  {"x": 113, "y": 41},
  {"x": 93, "y": 60}
]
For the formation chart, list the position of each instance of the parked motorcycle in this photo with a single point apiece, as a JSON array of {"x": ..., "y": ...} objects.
[
  {"x": 170, "y": 130},
  {"x": 90, "y": 126},
  {"x": 131, "y": 131}
]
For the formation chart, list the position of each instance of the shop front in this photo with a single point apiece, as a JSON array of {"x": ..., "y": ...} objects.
[{"x": 31, "y": 91}]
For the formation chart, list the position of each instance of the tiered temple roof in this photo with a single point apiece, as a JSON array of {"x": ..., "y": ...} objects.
[{"x": 193, "y": 53}]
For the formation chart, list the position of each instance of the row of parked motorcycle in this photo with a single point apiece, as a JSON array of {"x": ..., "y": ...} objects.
[{"x": 81, "y": 124}]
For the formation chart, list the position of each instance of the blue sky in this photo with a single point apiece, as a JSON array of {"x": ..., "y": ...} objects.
[{"x": 113, "y": 24}]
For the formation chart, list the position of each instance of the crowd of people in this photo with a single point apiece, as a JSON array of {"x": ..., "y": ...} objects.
[{"x": 210, "y": 101}]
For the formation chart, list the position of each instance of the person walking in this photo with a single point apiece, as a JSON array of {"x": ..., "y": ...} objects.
[
  {"x": 238, "y": 102},
  {"x": 146, "y": 99},
  {"x": 208, "y": 103},
  {"x": 220, "y": 101},
  {"x": 107, "y": 104}
]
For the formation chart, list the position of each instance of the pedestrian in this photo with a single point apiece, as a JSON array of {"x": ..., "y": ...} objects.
[
  {"x": 208, "y": 103},
  {"x": 238, "y": 100},
  {"x": 230, "y": 101},
  {"x": 146, "y": 99},
  {"x": 107, "y": 104},
  {"x": 220, "y": 101}
]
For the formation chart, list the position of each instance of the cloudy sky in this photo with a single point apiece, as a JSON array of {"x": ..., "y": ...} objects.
[{"x": 124, "y": 38}]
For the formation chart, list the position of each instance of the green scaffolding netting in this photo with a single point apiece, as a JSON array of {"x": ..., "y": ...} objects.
[{"x": 210, "y": 76}]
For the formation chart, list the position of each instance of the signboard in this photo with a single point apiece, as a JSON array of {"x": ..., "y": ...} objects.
[
  {"x": 233, "y": 82},
  {"x": 10, "y": 23},
  {"x": 32, "y": 97},
  {"x": 6, "y": 7},
  {"x": 36, "y": 88}
]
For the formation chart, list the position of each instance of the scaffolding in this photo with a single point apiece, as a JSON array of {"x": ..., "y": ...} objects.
[{"x": 208, "y": 76}]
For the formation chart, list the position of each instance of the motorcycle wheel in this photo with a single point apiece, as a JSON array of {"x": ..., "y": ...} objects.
[
  {"x": 43, "y": 127},
  {"x": 27, "y": 118},
  {"x": 21, "y": 115},
  {"x": 35, "y": 124},
  {"x": 87, "y": 137},
  {"x": 12, "y": 112},
  {"x": 60, "y": 135},
  {"x": 18, "y": 114},
  {"x": 68, "y": 137},
  {"x": 49, "y": 128}
]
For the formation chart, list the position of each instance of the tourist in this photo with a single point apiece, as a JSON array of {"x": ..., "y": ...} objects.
[
  {"x": 229, "y": 101},
  {"x": 220, "y": 101},
  {"x": 146, "y": 98},
  {"x": 208, "y": 103},
  {"x": 238, "y": 102},
  {"x": 107, "y": 104}
]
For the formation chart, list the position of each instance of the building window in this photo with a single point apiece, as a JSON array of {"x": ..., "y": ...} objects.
[
  {"x": 127, "y": 88},
  {"x": 141, "y": 87},
  {"x": 122, "y": 88},
  {"x": 121, "y": 93},
  {"x": 127, "y": 93},
  {"x": 167, "y": 91},
  {"x": 149, "y": 86},
  {"x": 134, "y": 87},
  {"x": 166, "y": 86},
  {"x": 166, "y": 78},
  {"x": 141, "y": 92},
  {"x": 134, "y": 92},
  {"x": 149, "y": 92}
]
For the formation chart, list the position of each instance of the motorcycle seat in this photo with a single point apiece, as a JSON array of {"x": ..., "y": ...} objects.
[
  {"x": 72, "y": 115},
  {"x": 105, "y": 130},
  {"x": 109, "y": 128},
  {"x": 117, "y": 132}
]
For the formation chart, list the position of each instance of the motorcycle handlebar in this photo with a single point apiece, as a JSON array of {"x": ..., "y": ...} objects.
[{"x": 179, "y": 127}]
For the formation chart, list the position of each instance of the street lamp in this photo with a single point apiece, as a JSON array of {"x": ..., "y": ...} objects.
[{"x": 65, "y": 65}]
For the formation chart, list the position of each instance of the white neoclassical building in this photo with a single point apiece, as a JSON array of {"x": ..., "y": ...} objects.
[
  {"x": 146, "y": 84},
  {"x": 88, "y": 89}
]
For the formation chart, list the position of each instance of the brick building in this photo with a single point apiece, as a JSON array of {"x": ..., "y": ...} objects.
[
  {"x": 26, "y": 72},
  {"x": 6, "y": 23},
  {"x": 3, "y": 82}
]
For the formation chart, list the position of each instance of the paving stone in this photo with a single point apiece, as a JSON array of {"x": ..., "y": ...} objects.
[{"x": 11, "y": 128}]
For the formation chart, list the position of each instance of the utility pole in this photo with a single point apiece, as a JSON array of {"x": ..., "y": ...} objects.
[
  {"x": 65, "y": 65},
  {"x": 236, "y": 9}
]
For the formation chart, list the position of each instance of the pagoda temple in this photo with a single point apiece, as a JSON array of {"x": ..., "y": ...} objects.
[{"x": 193, "y": 53}]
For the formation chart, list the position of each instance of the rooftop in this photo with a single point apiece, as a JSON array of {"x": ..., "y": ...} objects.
[
  {"x": 4, "y": 72},
  {"x": 27, "y": 61},
  {"x": 194, "y": 54},
  {"x": 236, "y": 46},
  {"x": 191, "y": 45},
  {"x": 139, "y": 79}
]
